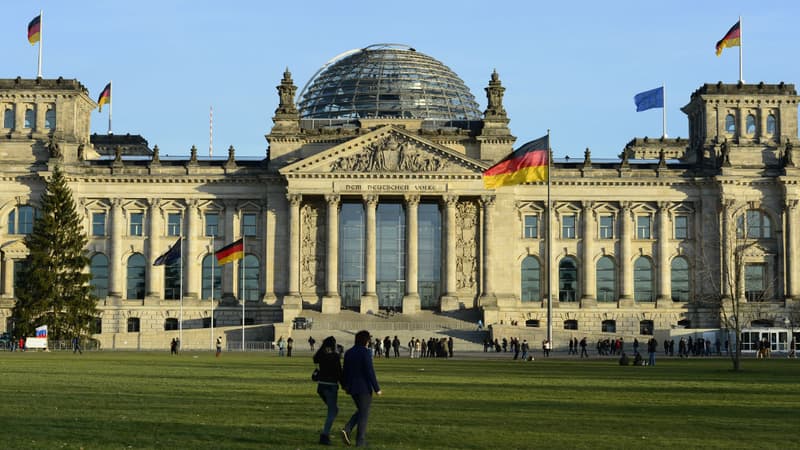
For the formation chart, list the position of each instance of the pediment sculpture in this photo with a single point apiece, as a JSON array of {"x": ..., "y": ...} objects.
[{"x": 390, "y": 155}]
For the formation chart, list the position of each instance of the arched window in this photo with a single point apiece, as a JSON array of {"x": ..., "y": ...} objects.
[
  {"x": 755, "y": 224},
  {"x": 172, "y": 280},
  {"x": 679, "y": 278},
  {"x": 567, "y": 280},
  {"x": 210, "y": 265},
  {"x": 606, "y": 280},
  {"x": 8, "y": 118},
  {"x": 136, "y": 266},
  {"x": 772, "y": 125},
  {"x": 571, "y": 324},
  {"x": 730, "y": 124},
  {"x": 643, "y": 280},
  {"x": 531, "y": 280},
  {"x": 646, "y": 327},
  {"x": 133, "y": 324},
  {"x": 750, "y": 124},
  {"x": 609, "y": 326},
  {"x": 98, "y": 267},
  {"x": 50, "y": 119},
  {"x": 248, "y": 272},
  {"x": 20, "y": 220},
  {"x": 170, "y": 323}
]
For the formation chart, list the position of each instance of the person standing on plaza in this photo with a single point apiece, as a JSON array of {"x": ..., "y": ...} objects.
[
  {"x": 281, "y": 346},
  {"x": 652, "y": 347},
  {"x": 450, "y": 346},
  {"x": 583, "y": 348},
  {"x": 396, "y": 346},
  {"x": 289, "y": 345},
  {"x": 311, "y": 342},
  {"x": 76, "y": 345},
  {"x": 360, "y": 382},
  {"x": 330, "y": 376},
  {"x": 219, "y": 345}
]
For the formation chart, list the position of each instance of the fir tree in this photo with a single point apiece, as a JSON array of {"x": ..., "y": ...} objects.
[{"x": 54, "y": 289}]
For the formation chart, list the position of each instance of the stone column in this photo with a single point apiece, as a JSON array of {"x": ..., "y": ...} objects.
[
  {"x": 625, "y": 267},
  {"x": 268, "y": 268},
  {"x": 194, "y": 241},
  {"x": 664, "y": 297},
  {"x": 8, "y": 278},
  {"x": 230, "y": 272},
  {"x": 728, "y": 227},
  {"x": 792, "y": 242},
  {"x": 411, "y": 301},
  {"x": 292, "y": 301},
  {"x": 369, "y": 301},
  {"x": 589, "y": 296},
  {"x": 153, "y": 249},
  {"x": 449, "y": 302},
  {"x": 488, "y": 298},
  {"x": 332, "y": 302},
  {"x": 115, "y": 263}
]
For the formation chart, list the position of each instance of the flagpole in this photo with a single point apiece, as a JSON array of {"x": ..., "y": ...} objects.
[
  {"x": 549, "y": 245},
  {"x": 664, "y": 111},
  {"x": 213, "y": 263},
  {"x": 110, "y": 104},
  {"x": 180, "y": 322},
  {"x": 741, "y": 44},
  {"x": 243, "y": 294},
  {"x": 41, "y": 39}
]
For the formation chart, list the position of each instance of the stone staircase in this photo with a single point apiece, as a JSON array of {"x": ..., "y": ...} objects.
[{"x": 460, "y": 325}]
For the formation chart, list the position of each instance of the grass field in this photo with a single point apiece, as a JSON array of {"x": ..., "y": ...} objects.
[{"x": 106, "y": 400}]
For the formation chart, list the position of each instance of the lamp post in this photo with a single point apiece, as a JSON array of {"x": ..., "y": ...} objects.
[{"x": 791, "y": 351}]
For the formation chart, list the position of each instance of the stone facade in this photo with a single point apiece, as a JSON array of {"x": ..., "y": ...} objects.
[{"x": 625, "y": 234}]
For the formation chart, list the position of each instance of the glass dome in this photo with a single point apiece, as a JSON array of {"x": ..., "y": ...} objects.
[{"x": 386, "y": 80}]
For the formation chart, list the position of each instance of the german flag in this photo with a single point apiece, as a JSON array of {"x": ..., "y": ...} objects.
[
  {"x": 526, "y": 164},
  {"x": 35, "y": 30},
  {"x": 732, "y": 38},
  {"x": 105, "y": 97},
  {"x": 231, "y": 252}
]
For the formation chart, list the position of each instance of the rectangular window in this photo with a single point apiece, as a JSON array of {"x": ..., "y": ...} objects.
[
  {"x": 30, "y": 118},
  {"x": 531, "y": 230},
  {"x": 174, "y": 224},
  {"x": 212, "y": 224},
  {"x": 50, "y": 119},
  {"x": 606, "y": 227},
  {"x": 8, "y": 118},
  {"x": 99, "y": 224},
  {"x": 754, "y": 282},
  {"x": 249, "y": 225},
  {"x": 681, "y": 227},
  {"x": 568, "y": 227},
  {"x": 137, "y": 224},
  {"x": 643, "y": 227}
]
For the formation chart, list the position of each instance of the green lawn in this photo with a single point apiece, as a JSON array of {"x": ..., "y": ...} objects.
[{"x": 123, "y": 400}]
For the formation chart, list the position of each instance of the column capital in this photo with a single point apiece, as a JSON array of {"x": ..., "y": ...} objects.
[
  {"x": 791, "y": 204},
  {"x": 412, "y": 199},
  {"x": 371, "y": 200},
  {"x": 664, "y": 206},
  {"x": 332, "y": 199},
  {"x": 294, "y": 199},
  {"x": 488, "y": 200},
  {"x": 587, "y": 204},
  {"x": 116, "y": 202},
  {"x": 450, "y": 200}
]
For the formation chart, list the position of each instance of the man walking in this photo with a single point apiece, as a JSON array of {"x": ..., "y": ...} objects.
[{"x": 360, "y": 382}]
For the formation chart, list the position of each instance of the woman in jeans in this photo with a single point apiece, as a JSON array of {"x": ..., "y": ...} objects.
[{"x": 330, "y": 376}]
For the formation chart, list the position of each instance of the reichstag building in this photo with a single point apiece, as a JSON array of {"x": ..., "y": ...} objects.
[{"x": 370, "y": 197}]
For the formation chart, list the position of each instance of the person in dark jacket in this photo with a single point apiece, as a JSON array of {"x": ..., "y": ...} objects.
[
  {"x": 360, "y": 382},
  {"x": 330, "y": 376}
]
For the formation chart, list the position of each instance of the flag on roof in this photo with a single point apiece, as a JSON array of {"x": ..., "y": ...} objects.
[
  {"x": 35, "y": 29},
  {"x": 105, "y": 97},
  {"x": 654, "y": 98},
  {"x": 172, "y": 255},
  {"x": 231, "y": 252},
  {"x": 525, "y": 164},
  {"x": 732, "y": 38}
]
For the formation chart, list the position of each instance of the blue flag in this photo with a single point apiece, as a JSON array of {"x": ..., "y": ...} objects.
[
  {"x": 654, "y": 98},
  {"x": 172, "y": 255}
]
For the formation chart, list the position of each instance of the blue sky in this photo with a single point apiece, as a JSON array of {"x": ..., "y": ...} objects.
[{"x": 571, "y": 67}]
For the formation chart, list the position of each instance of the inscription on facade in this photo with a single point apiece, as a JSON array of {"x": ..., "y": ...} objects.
[{"x": 391, "y": 188}]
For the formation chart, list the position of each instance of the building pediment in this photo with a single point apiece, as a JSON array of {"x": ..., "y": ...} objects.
[
  {"x": 388, "y": 150},
  {"x": 15, "y": 249}
]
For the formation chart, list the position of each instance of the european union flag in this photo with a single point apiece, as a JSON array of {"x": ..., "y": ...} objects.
[
  {"x": 172, "y": 255},
  {"x": 654, "y": 98}
]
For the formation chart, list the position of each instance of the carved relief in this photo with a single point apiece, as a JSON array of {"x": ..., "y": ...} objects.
[
  {"x": 467, "y": 228},
  {"x": 389, "y": 155},
  {"x": 312, "y": 246}
]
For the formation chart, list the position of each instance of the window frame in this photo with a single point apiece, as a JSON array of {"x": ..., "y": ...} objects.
[
  {"x": 9, "y": 118},
  {"x": 644, "y": 232},
  {"x": 175, "y": 229},
  {"x": 684, "y": 228},
  {"x": 29, "y": 121},
  {"x": 249, "y": 230},
  {"x": 606, "y": 231},
  {"x": 217, "y": 232},
  {"x": 96, "y": 224},
  {"x": 530, "y": 230},
  {"x": 569, "y": 231},
  {"x": 730, "y": 124},
  {"x": 50, "y": 118},
  {"x": 136, "y": 223}
]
